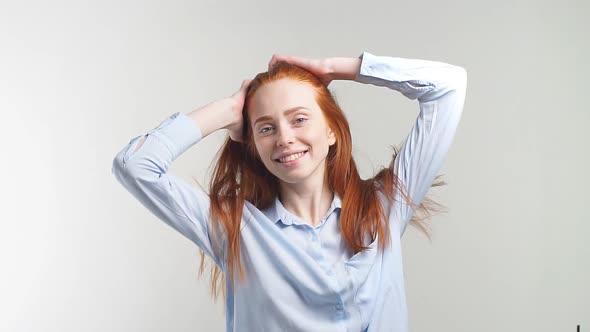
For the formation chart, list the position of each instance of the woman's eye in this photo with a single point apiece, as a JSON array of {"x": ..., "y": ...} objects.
[{"x": 265, "y": 131}]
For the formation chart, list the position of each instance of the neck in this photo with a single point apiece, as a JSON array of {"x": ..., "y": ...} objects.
[{"x": 309, "y": 204}]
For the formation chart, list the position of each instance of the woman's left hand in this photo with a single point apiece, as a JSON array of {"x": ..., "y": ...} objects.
[{"x": 321, "y": 68}]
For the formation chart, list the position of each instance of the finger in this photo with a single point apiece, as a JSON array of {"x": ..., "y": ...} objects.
[
  {"x": 307, "y": 62},
  {"x": 276, "y": 58},
  {"x": 298, "y": 61},
  {"x": 273, "y": 60},
  {"x": 246, "y": 82}
]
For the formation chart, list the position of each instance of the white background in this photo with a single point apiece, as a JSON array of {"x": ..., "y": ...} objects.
[{"x": 79, "y": 79}]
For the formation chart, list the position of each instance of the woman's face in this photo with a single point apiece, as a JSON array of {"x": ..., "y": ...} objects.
[{"x": 285, "y": 119}]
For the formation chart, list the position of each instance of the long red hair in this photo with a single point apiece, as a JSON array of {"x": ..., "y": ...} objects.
[{"x": 240, "y": 175}]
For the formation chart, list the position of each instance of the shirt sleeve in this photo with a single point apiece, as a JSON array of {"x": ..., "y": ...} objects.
[
  {"x": 144, "y": 173},
  {"x": 440, "y": 90}
]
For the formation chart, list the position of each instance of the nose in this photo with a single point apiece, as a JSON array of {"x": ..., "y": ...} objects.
[{"x": 285, "y": 136}]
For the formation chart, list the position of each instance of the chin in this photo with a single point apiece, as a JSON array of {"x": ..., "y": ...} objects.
[{"x": 292, "y": 179}]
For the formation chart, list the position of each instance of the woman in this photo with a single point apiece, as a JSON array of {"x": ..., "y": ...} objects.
[{"x": 316, "y": 247}]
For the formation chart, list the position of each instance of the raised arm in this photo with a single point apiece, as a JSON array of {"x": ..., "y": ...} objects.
[
  {"x": 440, "y": 90},
  {"x": 142, "y": 168}
]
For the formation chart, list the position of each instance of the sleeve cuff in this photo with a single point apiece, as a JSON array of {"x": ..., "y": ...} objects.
[
  {"x": 178, "y": 132},
  {"x": 366, "y": 70}
]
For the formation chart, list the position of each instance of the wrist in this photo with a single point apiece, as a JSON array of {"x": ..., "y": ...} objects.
[
  {"x": 233, "y": 111},
  {"x": 344, "y": 68},
  {"x": 213, "y": 116}
]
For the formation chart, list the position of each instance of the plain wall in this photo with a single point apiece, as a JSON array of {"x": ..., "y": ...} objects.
[{"x": 78, "y": 80}]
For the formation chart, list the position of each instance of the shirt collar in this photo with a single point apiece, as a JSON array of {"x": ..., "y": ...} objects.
[{"x": 279, "y": 213}]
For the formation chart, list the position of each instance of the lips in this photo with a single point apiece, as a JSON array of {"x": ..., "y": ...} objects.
[
  {"x": 286, "y": 154},
  {"x": 290, "y": 154}
]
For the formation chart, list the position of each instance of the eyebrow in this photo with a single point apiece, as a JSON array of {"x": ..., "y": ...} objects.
[{"x": 287, "y": 112}]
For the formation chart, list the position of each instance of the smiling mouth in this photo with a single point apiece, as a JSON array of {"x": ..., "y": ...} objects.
[{"x": 292, "y": 157}]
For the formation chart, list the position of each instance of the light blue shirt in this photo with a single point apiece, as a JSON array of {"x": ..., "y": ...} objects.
[{"x": 300, "y": 277}]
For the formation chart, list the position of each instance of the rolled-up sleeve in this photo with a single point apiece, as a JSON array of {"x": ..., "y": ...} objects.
[{"x": 144, "y": 173}]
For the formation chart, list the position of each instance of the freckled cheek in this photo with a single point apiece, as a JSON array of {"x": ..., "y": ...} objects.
[
  {"x": 264, "y": 151},
  {"x": 315, "y": 136}
]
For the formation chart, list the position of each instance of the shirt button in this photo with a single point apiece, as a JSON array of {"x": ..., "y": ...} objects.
[{"x": 339, "y": 306}]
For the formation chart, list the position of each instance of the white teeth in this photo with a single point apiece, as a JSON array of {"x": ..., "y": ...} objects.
[{"x": 291, "y": 157}]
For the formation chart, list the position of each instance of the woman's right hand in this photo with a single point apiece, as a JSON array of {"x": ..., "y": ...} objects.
[{"x": 235, "y": 128}]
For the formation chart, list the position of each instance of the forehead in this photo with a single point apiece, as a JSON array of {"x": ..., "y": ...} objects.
[{"x": 278, "y": 96}]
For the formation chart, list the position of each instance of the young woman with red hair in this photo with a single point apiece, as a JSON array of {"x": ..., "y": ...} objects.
[{"x": 299, "y": 240}]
